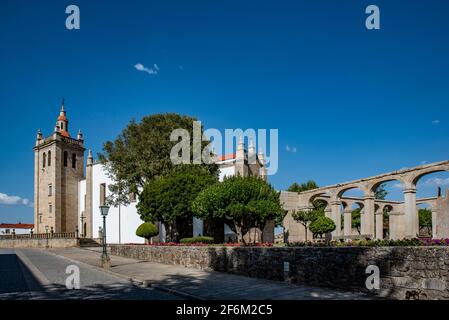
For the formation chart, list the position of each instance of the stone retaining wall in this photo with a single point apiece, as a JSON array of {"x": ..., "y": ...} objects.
[
  {"x": 419, "y": 271},
  {"x": 38, "y": 243}
]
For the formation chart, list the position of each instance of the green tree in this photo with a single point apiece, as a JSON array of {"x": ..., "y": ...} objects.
[
  {"x": 356, "y": 216},
  {"x": 141, "y": 153},
  {"x": 306, "y": 217},
  {"x": 309, "y": 185},
  {"x": 380, "y": 192},
  {"x": 169, "y": 198},
  {"x": 240, "y": 202},
  {"x": 425, "y": 220},
  {"x": 147, "y": 230},
  {"x": 322, "y": 225}
]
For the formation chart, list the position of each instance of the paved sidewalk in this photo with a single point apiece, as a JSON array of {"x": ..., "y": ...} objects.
[{"x": 194, "y": 283}]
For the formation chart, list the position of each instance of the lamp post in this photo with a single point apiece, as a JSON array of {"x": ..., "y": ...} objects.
[
  {"x": 46, "y": 236},
  {"x": 83, "y": 232},
  {"x": 105, "y": 260}
]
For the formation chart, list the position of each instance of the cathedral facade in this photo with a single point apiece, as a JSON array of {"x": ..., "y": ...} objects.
[{"x": 68, "y": 193}]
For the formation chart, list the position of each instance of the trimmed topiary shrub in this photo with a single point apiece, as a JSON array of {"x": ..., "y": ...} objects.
[
  {"x": 322, "y": 225},
  {"x": 198, "y": 239},
  {"x": 147, "y": 230}
]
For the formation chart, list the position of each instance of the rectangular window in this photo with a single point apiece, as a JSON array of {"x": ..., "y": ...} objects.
[
  {"x": 40, "y": 218},
  {"x": 50, "y": 190},
  {"x": 74, "y": 161},
  {"x": 102, "y": 194},
  {"x": 50, "y": 208},
  {"x": 65, "y": 158}
]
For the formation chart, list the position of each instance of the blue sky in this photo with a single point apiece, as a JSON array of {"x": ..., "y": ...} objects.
[{"x": 351, "y": 102}]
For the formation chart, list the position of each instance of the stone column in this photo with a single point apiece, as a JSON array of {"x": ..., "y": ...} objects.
[
  {"x": 347, "y": 228},
  {"x": 367, "y": 222},
  {"x": 411, "y": 214},
  {"x": 379, "y": 225},
  {"x": 335, "y": 215}
]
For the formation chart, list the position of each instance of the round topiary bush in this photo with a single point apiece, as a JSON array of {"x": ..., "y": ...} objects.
[
  {"x": 322, "y": 225},
  {"x": 147, "y": 230}
]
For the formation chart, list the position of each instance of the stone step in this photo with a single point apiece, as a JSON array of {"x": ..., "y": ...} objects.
[{"x": 87, "y": 242}]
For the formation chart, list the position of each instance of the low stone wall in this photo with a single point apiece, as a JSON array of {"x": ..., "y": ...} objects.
[
  {"x": 404, "y": 271},
  {"x": 38, "y": 243}
]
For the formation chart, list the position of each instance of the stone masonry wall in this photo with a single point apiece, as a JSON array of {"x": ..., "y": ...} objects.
[
  {"x": 403, "y": 270},
  {"x": 38, "y": 243}
]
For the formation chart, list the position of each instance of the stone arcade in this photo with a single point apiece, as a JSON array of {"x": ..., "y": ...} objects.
[{"x": 403, "y": 216}]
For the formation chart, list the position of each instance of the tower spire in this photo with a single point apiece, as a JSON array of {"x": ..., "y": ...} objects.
[{"x": 62, "y": 123}]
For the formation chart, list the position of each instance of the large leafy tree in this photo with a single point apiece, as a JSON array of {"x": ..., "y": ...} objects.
[
  {"x": 169, "y": 198},
  {"x": 309, "y": 185},
  {"x": 141, "y": 153},
  {"x": 240, "y": 202}
]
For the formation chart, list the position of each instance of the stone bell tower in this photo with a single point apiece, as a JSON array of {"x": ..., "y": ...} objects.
[{"x": 58, "y": 167}]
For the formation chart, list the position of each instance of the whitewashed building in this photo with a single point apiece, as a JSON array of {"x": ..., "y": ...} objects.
[{"x": 15, "y": 228}]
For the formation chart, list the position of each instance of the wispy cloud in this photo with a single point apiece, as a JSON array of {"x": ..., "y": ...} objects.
[
  {"x": 14, "y": 200},
  {"x": 436, "y": 122},
  {"x": 398, "y": 185},
  {"x": 290, "y": 149},
  {"x": 153, "y": 70},
  {"x": 437, "y": 182},
  {"x": 423, "y": 162}
]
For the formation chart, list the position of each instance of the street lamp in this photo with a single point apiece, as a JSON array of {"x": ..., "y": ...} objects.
[
  {"x": 46, "y": 236},
  {"x": 105, "y": 261},
  {"x": 83, "y": 232}
]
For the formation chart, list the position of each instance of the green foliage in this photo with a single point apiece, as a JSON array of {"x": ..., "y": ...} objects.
[
  {"x": 240, "y": 202},
  {"x": 306, "y": 217},
  {"x": 425, "y": 220},
  {"x": 199, "y": 239},
  {"x": 309, "y": 185},
  {"x": 322, "y": 225},
  {"x": 141, "y": 153},
  {"x": 380, "y": 192},
  {"x": 147, "y": 230},
  {"x": 356, "y": 215},
  {"x": 169, "y": 198}
]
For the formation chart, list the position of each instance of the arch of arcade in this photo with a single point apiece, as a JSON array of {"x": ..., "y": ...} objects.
[{"x": 403, "y": 215}]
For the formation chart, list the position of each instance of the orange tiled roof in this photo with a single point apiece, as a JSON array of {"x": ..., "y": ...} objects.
[
  {"x": 16, "y": 225},
  {"x": 64, "y": 133},
  {"x": 227, "y": 157}
]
